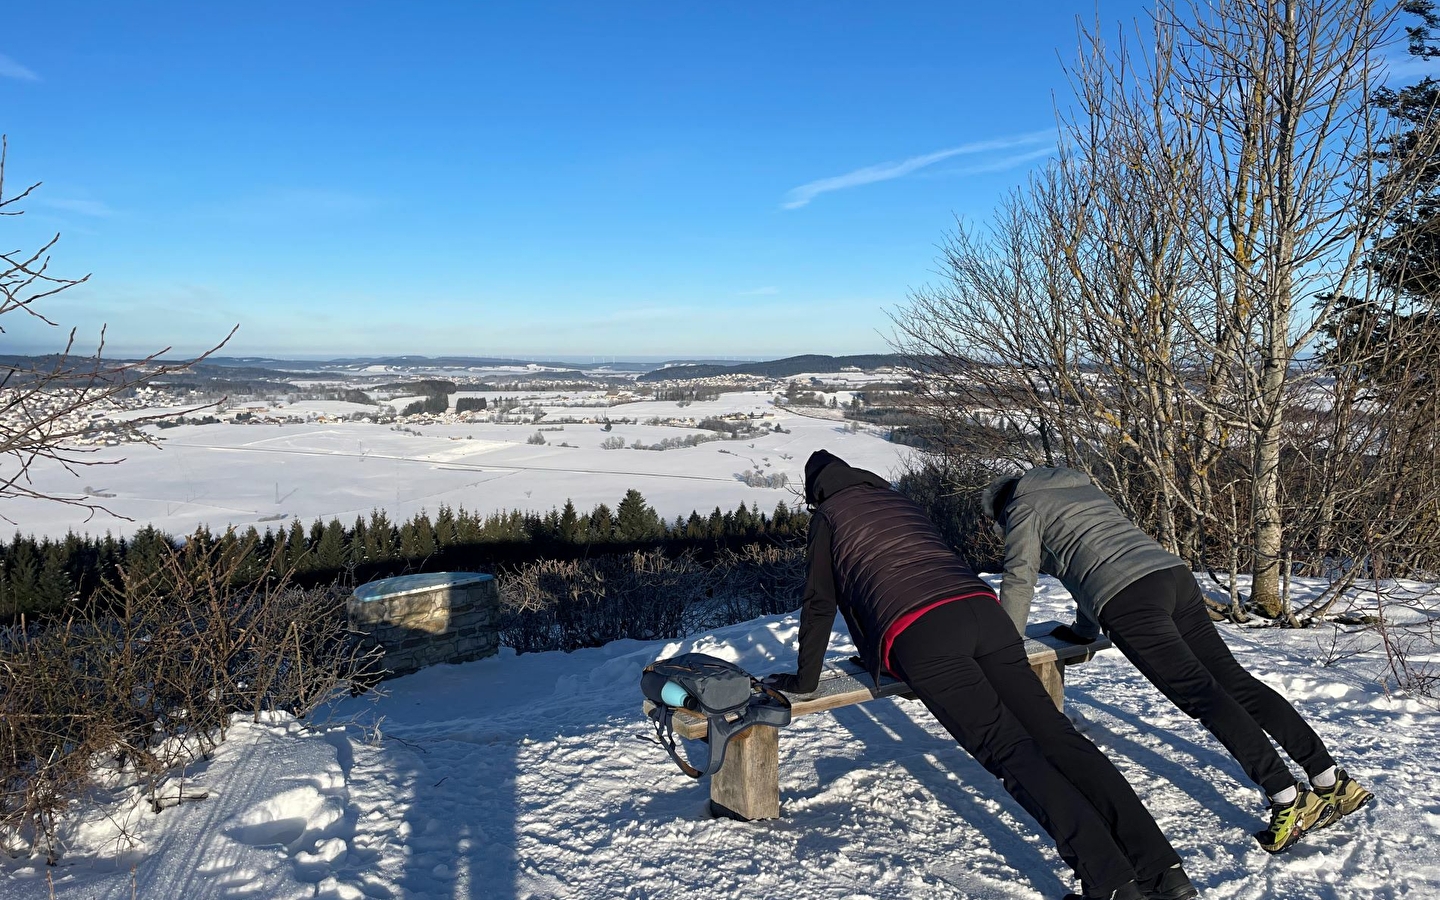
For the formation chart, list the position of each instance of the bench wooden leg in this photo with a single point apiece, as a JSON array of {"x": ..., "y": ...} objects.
[
  {"x": 1052, "y": 675},
  {"x": 748, "y": 784}
]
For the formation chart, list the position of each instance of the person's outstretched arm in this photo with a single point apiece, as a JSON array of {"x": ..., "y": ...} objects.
[
  {"x": 817, "y": 613},
  {"x": 1085, "y": 625},
  {"x": 1022, "y": 565}
]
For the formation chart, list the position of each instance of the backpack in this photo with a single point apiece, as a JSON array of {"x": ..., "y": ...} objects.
[{"x": 729, "y": 698}]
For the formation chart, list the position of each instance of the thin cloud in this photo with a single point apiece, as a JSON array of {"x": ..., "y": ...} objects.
[
  {"x": 767, "y": 291},
  {"x": 9, "y": 68},
  {"x": 1406, "y": 68},
  {"x": 802, "y": 195},
  {"x": 1000, "y": 165}
]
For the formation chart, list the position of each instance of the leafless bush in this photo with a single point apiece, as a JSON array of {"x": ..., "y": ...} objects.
[
  {"x": 566, "y": 605},
  {"x": 1406, "y": 624},
  {"x": 569, "y": 604},
  {"x": 759, "y": 580},
  {"x": 752, "y": 478},
  {"x": 147, "y": 678}
]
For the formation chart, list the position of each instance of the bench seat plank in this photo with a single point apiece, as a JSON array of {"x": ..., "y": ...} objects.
[
  {"x": 844, "y": 682},
  {"x": 747, "y": 787}
]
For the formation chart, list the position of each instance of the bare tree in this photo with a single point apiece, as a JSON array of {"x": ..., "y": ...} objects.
[
  {"x": 1145, "y": 308},
  {"x": 43, "y": 400}
]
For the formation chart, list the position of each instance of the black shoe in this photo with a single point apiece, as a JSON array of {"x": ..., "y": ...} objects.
[{"x": 1171, "y": 884}]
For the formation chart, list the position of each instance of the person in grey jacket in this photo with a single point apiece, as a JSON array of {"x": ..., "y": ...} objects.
[{"x": 1146, "y": 599}]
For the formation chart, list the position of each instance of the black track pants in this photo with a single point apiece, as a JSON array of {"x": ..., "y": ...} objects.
[
  {"x": 1160, "y": 623},
  {"x": 967, "y": 665}
]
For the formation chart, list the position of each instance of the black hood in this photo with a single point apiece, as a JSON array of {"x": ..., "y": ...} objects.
[{"x": 827, "y": 475}]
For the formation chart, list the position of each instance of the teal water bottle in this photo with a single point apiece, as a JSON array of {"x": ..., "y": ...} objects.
[{"x": 673, "y": 694}]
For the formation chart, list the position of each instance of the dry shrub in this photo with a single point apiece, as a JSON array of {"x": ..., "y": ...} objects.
[
  {"x": 146, "y": 679},
  {"x": 566, "y": 605},
  {"x": 758, "y": 580}
]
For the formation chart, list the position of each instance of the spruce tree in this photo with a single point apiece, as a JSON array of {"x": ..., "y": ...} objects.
[
  {"x": 330, "y": 548},
  {"x": 569, "y": 524},
  {"x": 53, "y": 589},
  {"x": 425, "y": 543},
  {"x": 379, "y": 540},
  {"x": 445, "y": 528},
  {"x": 601, "y": 526},
  {"x": 1407, "y": 257},
  {"x": 297, "y": 550},
  {"x": 23, "y": 574},
  {"x": 254, "y": 558},
  {"x": 635, "y": 520},
  {"x": 359, "y": 542}
]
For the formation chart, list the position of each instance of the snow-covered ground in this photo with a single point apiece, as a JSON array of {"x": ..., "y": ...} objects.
[
  {"x": 527, "y": 777},
  {"x": 227, "y": 474}
]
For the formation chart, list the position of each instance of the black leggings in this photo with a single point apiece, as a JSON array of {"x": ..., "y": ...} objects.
[
  {"x": 1161, "y": 624},
  {"x": 967, "y": 665}
]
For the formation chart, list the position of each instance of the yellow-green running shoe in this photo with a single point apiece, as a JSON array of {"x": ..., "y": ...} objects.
[
  {"x": 1290, "y": 820},
  {"x": 1346, "y": 795}
]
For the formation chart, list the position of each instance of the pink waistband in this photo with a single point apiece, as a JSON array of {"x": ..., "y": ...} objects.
[{"x": 913, "y": 616}]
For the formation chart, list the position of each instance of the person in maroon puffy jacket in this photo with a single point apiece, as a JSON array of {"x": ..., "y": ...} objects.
[{"x": 919, "y": 611}]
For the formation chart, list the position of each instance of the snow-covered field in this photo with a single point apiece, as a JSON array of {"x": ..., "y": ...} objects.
[
  {"x": 526, "y": 777},
  {"x": 228, "y": 474}
]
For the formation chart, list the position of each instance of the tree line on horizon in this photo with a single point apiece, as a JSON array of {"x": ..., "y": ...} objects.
[{"x": 49, "y": 575}]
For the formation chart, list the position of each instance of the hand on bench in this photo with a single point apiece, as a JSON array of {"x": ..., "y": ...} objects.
[{"x": 788, "y": 683}]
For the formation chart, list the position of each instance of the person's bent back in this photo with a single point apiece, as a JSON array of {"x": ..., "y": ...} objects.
[{"x": 1058, "y": 522}]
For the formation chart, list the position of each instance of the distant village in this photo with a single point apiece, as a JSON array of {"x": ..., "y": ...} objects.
[{"x": 144, "y": 413}]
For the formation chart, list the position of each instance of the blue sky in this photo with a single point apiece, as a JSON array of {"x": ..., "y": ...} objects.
[{"x": 515, "y": 178}]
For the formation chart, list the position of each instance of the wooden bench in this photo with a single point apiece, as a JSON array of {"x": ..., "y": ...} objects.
[{"x": 748, "y": 784}]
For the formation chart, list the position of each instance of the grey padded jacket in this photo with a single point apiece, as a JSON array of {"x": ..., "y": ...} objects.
[{"x": 1060, "y": 523}]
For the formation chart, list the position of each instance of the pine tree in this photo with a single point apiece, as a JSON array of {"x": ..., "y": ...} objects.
[
  {"x": 255, "y": 556},
  {"x": 601, "y": 526},
  {"x": 744, "y": 522},
  {"x": 297, "y": 549},
  {"x": 780, "y": 519},
  {"x": 715, "y": 526},
  {"x": 1407, "y": 257},
  {"x": 23, "y": 574},
  {"x": 445, "y": 528},
  {"x": 148, "y": 549},
  {"x": 53, "y": 589},
  {"x": 635, "y": 520},
  {"x": 330, "y": 549},
  {"x": 359, "y": 542},
  {"x": 549, "y": 529},
  {"x": 228, "y": 551},
  {"x": 569, "y": 524},
  {"x": 380, "y": 539},
  {"x": 409, "y": 546},
  {"x": 425, "y": 544}
]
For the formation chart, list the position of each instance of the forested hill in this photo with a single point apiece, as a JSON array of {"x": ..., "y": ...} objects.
[{"x": 778, "y": 368}]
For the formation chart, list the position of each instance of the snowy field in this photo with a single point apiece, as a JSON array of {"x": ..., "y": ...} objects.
[
  {"x": 526, "y": 778},
  {"x": 228, "y": 474}
]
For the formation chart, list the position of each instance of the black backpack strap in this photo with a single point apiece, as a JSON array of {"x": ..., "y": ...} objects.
[
  {"x": 661, "y": 716},
  {"x": 770, "y": 692}
]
